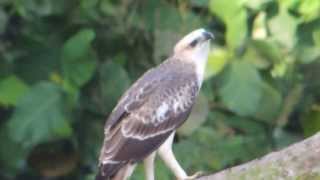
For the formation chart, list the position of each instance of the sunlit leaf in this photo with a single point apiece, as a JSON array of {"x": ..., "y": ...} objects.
[
  {"x": 256, "y": 4},
  {"x": 11, "y": 90},
  {"x": 256, "y": 58},
  {"x": 226, "y": 10},
  {"x": 316, "y": 38},
  {"x": 234, "y": 16},
  {"x": 237, "y": 30},
  {"x": 268, "y": 50},
  {"x": 259, "y": 30},
  {"x": 288, "y": 4},
  {"x": 279, "y": 69},
  {"x": 283, "y": 28},
  {"x": 217, "y": 60},
  {"x": 39, "y": 116},
  {"x": 310, "y": 9},
  {"x": 241, "y": 90}
]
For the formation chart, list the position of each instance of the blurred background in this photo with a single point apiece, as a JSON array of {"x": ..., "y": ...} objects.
[{"x": 64, "y": 64}]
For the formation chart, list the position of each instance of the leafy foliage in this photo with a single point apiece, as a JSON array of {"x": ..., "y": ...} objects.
[
  {"x": 243, "y": 78},
  {"x": 64, "y": 64},
  {"x": 42, "y": 108}
]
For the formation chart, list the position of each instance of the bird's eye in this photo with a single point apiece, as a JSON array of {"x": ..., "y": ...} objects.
[{"x": 194, "y": 43}]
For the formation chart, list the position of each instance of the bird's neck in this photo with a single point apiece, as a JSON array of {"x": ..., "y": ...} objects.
[
  {"x": 200, "y": 66},
  {"x": 197, "y": 65}
]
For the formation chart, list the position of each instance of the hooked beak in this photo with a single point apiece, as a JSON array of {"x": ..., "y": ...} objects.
[{"x": 208, "y": 35}]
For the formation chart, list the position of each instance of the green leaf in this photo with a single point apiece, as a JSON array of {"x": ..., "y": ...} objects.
[
  {"x": 108, "y": 8},
  {"x": 11, "y": 90},
  {"x": 311, "y": 123},
  {"x": 310, "y": 9},
  {"x": 241, "y": 90},
  {"x": 29, "y": 8},
  {"x": 197, "y": 117},
  {"x": 259, "y": 29},
  {"x": 288, "y": 4},
  {"x": 114, "y": 80},
  {"x": 226, "y": 10},
  {"x": 78, "y": 61},
  {"x": 91, "y": 136},
  {"x": 237, "y": 30},
  {"x": 88, "y": 4},
  {"x": 283, "y": 28},
  {"x": 270, "y": 104},
  {"x": 245, "y": 126},
  {"x": 316, "y": 37},
  {"x": 217, "y": 60},
  {"x": 12, "y": 155},
  {"x": 283, "y": 138},
  {"x": 268, "y": 50},
  {"x": 256, "y": 4},
  {"x": 45, "y": 57},
  {"x": 307, "y": 54},
  {"x": 39, "y": 116},
  {"x": 256, "y": 58},
  {"x": 234, "y": 15}
]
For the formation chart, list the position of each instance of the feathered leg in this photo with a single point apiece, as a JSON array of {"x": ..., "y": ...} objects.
[
  {"x": 166, "y": 154},
  {"x": 149, "y": 166},
  {"x": 125, "y": 172}
]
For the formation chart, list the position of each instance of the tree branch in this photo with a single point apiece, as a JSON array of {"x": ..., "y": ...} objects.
[{"x": 298, "y": 161}]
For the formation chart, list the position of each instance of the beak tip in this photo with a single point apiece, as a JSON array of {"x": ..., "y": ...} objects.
[{"x": 208, "y": 35}]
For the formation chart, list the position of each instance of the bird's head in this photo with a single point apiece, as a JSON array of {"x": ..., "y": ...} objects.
[{"x": 195, "y": 45}]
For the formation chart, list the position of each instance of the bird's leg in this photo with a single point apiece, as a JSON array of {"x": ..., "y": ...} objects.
[
  {"x": 129, "y": 171},
  {"x": 166, "y": 154},
  {"x": 149, "y": 166}
]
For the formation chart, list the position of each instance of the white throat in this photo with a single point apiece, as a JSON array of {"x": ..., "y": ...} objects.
[{"x": 199, "y": 58}]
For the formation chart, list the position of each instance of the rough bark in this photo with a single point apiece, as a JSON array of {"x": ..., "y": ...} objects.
[{"x": 300, "y": 161}]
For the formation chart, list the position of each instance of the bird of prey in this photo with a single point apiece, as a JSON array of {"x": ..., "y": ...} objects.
[{"x": 147, "y": 115}]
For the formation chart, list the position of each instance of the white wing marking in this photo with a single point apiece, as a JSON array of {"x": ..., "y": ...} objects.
[{"x": 161, "y": 112}]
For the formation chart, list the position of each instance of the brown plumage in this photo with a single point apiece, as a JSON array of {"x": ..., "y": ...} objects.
[
  {"x": 136, "y": 115},
  {"x": 152, "y": 109}
]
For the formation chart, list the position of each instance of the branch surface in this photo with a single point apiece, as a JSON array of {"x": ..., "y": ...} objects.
[{"x": 300, "y": 161}]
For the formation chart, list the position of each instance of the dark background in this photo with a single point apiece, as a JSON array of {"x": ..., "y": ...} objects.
[{"x": 64, "y": 64}]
